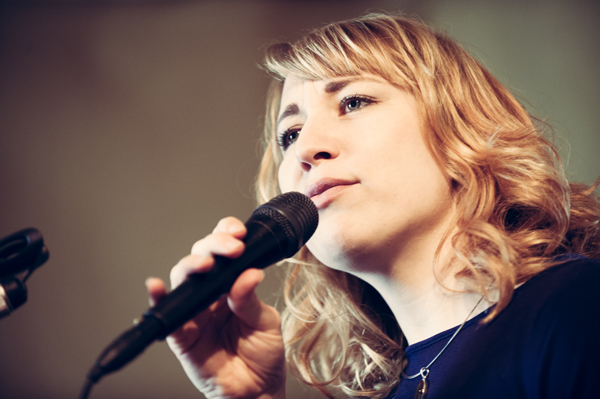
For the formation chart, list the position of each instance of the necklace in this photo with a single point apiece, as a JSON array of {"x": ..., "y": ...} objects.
[{"x": 424, "y": 372}]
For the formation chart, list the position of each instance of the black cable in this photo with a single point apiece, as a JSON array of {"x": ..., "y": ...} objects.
[{"x": 87, "y": 387}]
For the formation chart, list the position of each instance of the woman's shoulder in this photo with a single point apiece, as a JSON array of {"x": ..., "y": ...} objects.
[
  {"x": 552, "y": 325},
  {"x": 560, "y": 308},
  {"x": 565, "y": 327},
  {"x": 571, "y": 279},
  {"x": 563, "y": 297}
]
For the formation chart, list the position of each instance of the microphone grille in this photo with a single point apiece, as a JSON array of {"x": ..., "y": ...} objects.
[{"x": 296, "y": 214}]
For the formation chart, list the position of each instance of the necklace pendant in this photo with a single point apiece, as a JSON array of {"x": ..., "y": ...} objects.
[{"x": 421, "y": 389}]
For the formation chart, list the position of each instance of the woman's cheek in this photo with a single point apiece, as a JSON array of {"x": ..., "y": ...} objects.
[{"x": 284, "y": 176}]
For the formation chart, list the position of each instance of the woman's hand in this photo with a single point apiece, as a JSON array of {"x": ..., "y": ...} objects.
[{"x": 234, "y": 348}]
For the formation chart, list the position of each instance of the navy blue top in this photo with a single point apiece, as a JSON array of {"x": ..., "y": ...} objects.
[{"x": 544, "y": 344}]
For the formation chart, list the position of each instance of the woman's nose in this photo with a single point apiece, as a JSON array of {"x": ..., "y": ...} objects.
[{"x": 315, "y": 144}]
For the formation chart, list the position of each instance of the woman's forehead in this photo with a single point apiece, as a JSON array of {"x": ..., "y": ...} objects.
[{"x": 329, "y": 85}]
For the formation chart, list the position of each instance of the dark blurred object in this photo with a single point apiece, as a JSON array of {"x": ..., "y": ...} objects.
[{"x": 20, "y": 254}]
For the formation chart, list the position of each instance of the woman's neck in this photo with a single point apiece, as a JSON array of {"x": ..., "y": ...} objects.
[
  {"x": 425, "y": 311},
  {"x": 423, "y": 305}
]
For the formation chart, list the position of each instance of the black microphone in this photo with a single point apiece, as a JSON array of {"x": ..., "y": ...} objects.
[
  {"x": 20, "y": 254},
  {"x": 276, "y": 230}
]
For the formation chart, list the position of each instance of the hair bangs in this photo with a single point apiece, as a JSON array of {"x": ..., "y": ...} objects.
[{"x": 351, "y": 48}]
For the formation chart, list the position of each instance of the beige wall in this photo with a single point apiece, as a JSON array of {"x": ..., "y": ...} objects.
[{"x": 127, "y": 132}]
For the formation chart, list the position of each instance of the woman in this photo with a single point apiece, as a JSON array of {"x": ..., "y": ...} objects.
[{"x": 452, "y": 258}]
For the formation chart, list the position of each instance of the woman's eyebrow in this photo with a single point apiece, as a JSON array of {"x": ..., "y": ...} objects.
[
  {"x": 330, "y": 88},
  {"x": 337, "y": 85},
  {"x": 290, "y": 110}
]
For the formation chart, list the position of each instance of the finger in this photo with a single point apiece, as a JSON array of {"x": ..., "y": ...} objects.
[
  {"x": 156, "y": 290},
  {"x": 201, "y": 326},
  {"x": 232, "y": 226},
  {"x": 246, "y": 305},
  {"x": 223, "y": 244},
  {"x": 189, "y": 265}
]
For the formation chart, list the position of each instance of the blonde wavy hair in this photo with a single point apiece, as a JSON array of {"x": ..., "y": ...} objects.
[{"x": 516, "y": 211}]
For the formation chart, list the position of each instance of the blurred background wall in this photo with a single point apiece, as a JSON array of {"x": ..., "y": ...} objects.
[{"x": 129, "y": 128}]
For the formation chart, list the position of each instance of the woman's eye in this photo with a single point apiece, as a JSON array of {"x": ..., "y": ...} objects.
[
  {"x": 354, "y": 103},
  {"x": 288, "y": 137}
]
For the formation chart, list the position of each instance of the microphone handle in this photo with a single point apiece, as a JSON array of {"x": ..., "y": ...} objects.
[
  {"x": 265, "y": 245},
  {"x": 263, "y": 248}
]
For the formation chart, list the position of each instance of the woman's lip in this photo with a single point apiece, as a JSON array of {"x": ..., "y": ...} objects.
[
  {"x": 324, "y": 185},
  {"x": 324, "y": 191}
]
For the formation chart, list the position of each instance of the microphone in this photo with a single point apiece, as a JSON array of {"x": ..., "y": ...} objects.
[
  {"x": 20, "y": 254},
  {"x": 276, "y": 230}
]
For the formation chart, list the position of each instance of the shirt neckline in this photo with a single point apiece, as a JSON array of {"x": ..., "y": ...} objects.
[{"x": 446, "y": 334}]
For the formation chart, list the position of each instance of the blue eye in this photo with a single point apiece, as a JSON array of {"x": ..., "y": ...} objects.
[
  {"x": 288, "y": 137},
  {"x": 354, "y": 103}
]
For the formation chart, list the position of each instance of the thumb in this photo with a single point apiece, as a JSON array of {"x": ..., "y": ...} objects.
[{"x": 246, "y": 305}]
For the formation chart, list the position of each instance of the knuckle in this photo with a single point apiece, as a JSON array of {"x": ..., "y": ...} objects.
[
  {"x": 229, "y": 224},
  {"x": 222, "y": 224},
  {"x": 199, "y": 245},
  {"x": 223, "y": 243},
  {"x": 173, "y": 275},
  {"x": 178, "y": 269}
]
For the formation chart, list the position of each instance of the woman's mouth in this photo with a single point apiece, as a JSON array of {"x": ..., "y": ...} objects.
[{"x": 324, "y": 191}]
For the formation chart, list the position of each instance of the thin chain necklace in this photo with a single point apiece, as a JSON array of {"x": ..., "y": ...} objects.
[{"x": 424, "y": 372}]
